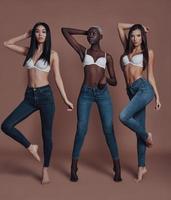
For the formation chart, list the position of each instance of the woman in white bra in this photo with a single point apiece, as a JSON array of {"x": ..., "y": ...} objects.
[
  {"x": 40, "y": 59},
  {"x": 137, "y": 59},
  {"x": 94, "y": 89}
]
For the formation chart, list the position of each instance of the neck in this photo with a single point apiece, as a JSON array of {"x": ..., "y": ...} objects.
[
  {"x": 40, "y": 47},
  {"x": 95, "y": 47},
  {"x": 137, "y": 49}
]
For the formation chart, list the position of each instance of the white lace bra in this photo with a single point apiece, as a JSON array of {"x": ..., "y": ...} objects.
[
  {"x": 136, "y": 60},
  {"x": 89, "y": 60},
  {"x": 41, "y": 65}
]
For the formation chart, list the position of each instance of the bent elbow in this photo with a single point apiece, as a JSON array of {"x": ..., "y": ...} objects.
[
  {"x": 113, "y": 83},
  {"x": 5, "y": 44},
  {"x": 63, "y": 30}
]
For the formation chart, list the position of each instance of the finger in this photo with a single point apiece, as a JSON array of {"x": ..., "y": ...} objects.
[{"x": 158, "y": 107}]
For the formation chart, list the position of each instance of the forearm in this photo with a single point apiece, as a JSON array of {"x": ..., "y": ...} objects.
[
  {"x": 16, "y": 39},
  {"x": 60, "y": 86},
  {"x": 153, "y": 83},
  {"x": 124, "y": 26},
  {"x": 73, "y": 31}
]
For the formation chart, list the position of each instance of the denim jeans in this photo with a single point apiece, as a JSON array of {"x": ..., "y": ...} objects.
[
  {"x": 101, "y": 97},
  {"x": 41, "y": 99},
  {"x": 140, "y": 93}
]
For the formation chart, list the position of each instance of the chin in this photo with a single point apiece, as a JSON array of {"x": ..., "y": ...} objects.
[
  {"x": 137, "y": 45},
  {"x": 92, "y": 42},
  {"x": 41, "y": 42}
]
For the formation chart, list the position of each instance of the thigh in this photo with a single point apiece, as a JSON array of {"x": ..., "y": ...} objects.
[
  {"x": 47, "y": 114},
  {"x": 137, "y": 103},
  {"x": 22, "y": 111},
  {"x": 105, "y": 107},
  {"x": 84, "y": 105}
]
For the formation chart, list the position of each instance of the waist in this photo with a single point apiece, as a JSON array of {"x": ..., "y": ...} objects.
[
  {"x": 131, "y": 80},
  {"x": 138, "y": 82},
  {"x": 40, "y": 88},
  {"x": 94, "y": 87}
]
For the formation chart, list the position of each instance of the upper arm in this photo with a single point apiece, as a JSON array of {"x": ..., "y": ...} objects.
[
  {"x": 80, "y": 49},
  {"x": 55, "y": 64},
  {"x": 16, "y": 48},
  {"x": 122, "y": 35},
  {"x": 150, "y": 64}
]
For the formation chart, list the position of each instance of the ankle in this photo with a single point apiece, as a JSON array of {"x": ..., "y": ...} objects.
[{"x": 45, "y": 168}]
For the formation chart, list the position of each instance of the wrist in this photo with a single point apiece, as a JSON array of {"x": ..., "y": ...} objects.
[
  {"x": 26, "y": 35},
  {"x": 65, "y": 100},
  {"x": 157, "y": 98}
]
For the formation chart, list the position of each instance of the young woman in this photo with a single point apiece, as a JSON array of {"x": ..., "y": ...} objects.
[
  {"x": 137, "y": 59},
  {"x": 40, "y": 59},
  {"x": 94, "y": 89}
]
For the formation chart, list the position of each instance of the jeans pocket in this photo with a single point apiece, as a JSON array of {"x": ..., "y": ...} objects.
[{"x": 46, "y": 92}]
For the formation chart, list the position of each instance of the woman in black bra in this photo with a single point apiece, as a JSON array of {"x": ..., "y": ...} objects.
[{"x": 94, "y": 89}]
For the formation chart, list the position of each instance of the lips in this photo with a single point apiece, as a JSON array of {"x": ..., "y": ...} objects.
[{"x": 91, "y": 39}]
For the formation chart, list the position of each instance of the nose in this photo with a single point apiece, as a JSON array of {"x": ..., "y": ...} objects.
[{"x": 91, "y": 34}]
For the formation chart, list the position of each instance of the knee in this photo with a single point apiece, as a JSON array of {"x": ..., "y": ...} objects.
[
  {"x": 108, "y": 128},
  {"x": 81, "y": 129},
  {"x": 123, "y": 117},
  {"x": 6, "y": 126}
]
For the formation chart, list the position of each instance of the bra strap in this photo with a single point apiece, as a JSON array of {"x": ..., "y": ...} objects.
[{"x": 105, "y": 54}]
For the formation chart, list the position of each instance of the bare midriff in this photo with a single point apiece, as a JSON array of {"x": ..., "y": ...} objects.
[
  {"x": 37, "y": 78},
  {"x": 94, "y": 75},
  {"x": 132, "y": 73}
]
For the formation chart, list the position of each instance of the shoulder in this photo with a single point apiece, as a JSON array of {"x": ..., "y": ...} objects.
[{"x": 54, "y": 55}]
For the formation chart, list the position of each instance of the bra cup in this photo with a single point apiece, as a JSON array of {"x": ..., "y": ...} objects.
[
  {"x": 41, "y": 64},
  {"x": 88, "y": 60},
  {"x": 101, "y": 62},
  {"x": 125, "y": 60},
  {"x": 137, "y": 60},
  {"x": 29, "y": 63}
]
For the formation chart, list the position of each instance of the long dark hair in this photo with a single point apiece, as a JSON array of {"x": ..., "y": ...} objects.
[
  {"x": 34, "y": 44},
  {"x": 129, "y": 45}
]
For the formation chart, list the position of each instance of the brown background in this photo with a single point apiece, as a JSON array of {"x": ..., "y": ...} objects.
[{"x": 20, "y": 175}]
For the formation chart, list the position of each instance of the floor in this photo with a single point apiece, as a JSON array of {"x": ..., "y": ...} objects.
[{"x": 20, "y": 178}]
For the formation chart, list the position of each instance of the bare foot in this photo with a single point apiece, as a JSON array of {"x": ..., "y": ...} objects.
[
  {"x": 141, "y": 172},
  {"x": 33, "y": 149},
  {"x": 45, "y": 176},
  {"x": 149, "y": 140}
]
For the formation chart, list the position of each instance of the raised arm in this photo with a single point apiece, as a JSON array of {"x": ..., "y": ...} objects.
[
  {"x": 68, "y": 34},
  {"x": 122, "y": 27},
  {"x": 11, "y": 44},
  {"x": 58, "y": 80},
  {"x": 111, "y": 80},
  {"x": 151, "y": 79}
]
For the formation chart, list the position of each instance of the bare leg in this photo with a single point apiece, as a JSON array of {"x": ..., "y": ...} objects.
[
  {"x": 45, "y": 176},
  {"x": 141, "y": 172}
]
